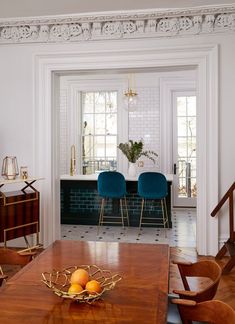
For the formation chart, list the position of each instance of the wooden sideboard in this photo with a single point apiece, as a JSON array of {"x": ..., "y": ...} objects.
[{"x": 19, "y": 211}]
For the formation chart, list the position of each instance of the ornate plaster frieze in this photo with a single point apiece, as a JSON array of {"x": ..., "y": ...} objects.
[{"x": 117, "y": 25}]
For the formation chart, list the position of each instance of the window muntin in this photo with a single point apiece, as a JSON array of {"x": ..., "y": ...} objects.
[{"x": 99, "y": 138}]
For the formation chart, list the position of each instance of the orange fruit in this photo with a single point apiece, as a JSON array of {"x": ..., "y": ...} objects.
[
  {"x": 80, "y": 276},
  {"x": 75, "y": 288},
  {"x": 93, "y": 286}
]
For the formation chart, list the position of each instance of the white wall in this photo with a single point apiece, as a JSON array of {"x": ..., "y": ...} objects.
[
  {"x": 17, "y": 128},
  {"x": 226, "y": 125},
  {"x": 24, "y": 8}
]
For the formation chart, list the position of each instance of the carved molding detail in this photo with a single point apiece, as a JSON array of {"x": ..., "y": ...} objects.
[{"x": 148, "y": 23}]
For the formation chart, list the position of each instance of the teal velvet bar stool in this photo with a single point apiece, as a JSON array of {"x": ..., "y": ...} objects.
[
  {"x": 153, "y": 186},
  {"x": 112, "y": 185}
]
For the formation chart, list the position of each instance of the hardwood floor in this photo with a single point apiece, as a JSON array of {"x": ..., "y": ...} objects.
[{"x": 226, "y": 289}]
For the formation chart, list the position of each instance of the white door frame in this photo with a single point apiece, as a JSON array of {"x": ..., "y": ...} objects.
[
  {"x": 176, "y": 200},
  {"x": 168, "y": 86},
  {"x": 203, "y": 57}
]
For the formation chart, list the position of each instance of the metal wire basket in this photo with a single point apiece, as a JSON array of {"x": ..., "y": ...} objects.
[{"x": 59, "y": 282}]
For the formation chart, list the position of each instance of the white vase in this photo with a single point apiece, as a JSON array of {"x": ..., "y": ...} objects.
[{"x": 132, "y": 170}]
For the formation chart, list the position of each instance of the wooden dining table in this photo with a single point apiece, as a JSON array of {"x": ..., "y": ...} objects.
[{"x": 139, "y": 297}]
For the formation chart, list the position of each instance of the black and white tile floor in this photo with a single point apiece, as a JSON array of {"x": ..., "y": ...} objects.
[{"x": 182, "y": 234}]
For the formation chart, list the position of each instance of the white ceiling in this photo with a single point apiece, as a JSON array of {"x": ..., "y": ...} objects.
[{"x": 26, "y": 8}]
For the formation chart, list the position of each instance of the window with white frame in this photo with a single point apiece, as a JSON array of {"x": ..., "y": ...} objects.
[
  {"x": 93, "y": 119},
  {"x": 186, "y": 142},
  {"x": 99, "y": 131}
]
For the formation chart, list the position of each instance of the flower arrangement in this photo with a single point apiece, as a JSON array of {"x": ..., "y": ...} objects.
[{"x": 134, "y": 150}]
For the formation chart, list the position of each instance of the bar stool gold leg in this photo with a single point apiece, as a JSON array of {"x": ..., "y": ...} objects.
[
  {"x": 127, "y": 215},
  {"x": 163, "y": 217},
  {"x": 141, "y": 214},
  {"x": 121, "y": 208},
  {"x": 101, "y": 214},
  {"x": 163, "y": 213},
  {"x": 167, "y": 219}
]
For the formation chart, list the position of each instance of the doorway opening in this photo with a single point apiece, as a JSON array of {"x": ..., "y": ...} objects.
[
  {"x": 46, "y": 135},
  {"x": 89, "y": 120}
]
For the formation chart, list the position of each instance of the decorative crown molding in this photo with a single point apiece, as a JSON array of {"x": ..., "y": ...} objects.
[{"x": 117, "y": 25}]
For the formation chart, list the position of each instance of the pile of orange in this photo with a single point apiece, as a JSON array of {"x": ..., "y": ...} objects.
[{"x": 80, "y": 281}]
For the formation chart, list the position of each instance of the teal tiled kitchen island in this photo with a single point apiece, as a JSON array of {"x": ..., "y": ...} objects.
[{"x": 80, "y": 202}]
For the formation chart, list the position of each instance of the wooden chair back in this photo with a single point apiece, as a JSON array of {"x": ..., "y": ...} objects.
[
  {"x": 207, "y": 269},
  {"x": 213, "y": 311},
  {"x": 2, "y": 277},
  {"x": 12, "y": 257}
]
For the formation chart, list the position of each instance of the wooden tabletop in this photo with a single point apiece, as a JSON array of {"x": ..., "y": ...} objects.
[{"x": 140, "y": 297}]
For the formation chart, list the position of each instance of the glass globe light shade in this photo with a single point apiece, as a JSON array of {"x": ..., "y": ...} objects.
[{"x": 130, "y": 100}]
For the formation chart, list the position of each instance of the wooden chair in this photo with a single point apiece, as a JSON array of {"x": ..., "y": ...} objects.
[
  {"x": 213, "y": 311},
  {"x": 206, "y": 269},
  {"x": 12, "y": 257}
]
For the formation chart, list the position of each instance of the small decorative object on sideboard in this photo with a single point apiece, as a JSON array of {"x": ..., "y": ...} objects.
[
  {"x": 24, "y": 172},
  {"x": 10, "y": 168},
  {"x": 133, "y": 151}
]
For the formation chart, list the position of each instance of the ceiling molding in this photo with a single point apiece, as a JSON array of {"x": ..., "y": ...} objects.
[{"x": 119, "y": 25}]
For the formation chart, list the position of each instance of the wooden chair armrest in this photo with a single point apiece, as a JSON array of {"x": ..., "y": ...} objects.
[
  {"x": 184, "y": 302},
  {"x": 27, "y": 253},
  {"x": 3, "y": 277},
  {"x": 187, "y": 293},
  {"x": 186, "y": 263}
]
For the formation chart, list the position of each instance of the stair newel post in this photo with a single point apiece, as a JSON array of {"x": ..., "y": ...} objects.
[
  {"x": 229, "y": 245},
  {"x": 231, "y": 219}
]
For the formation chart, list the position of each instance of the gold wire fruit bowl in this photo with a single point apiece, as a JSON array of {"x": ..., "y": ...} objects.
[{"x": 59, "y": 282}]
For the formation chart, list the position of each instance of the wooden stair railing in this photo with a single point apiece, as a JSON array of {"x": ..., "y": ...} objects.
[{"x": 229, "y": 245}]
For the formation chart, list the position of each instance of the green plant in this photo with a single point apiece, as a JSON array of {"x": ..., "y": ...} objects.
[{"x": 134, "y": 150}]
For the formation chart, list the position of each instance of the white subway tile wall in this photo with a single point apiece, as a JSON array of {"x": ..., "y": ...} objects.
[{"x": 144, "y": 123}]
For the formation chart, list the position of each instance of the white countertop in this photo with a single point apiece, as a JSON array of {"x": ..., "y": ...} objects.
[
  {"x": 85, "y": 177},
  {"x": 18, "y": 180}
]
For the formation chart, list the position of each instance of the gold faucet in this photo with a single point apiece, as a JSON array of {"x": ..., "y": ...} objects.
[{"x": 73, "y": 161}]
